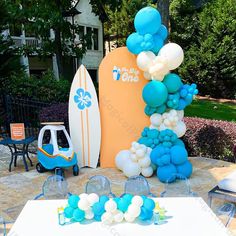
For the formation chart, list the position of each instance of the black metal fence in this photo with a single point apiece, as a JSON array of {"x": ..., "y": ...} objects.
[{"x": 23, "y": 110}]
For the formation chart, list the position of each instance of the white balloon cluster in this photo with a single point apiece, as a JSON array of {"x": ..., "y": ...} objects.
[
  {"x": 86, "y": 202},
  {"x": 135, "y": 161},
  {"x": 112, "y": 214},
  {"x": 155, "y": 67},
  {"x": 169, "y": 120}
]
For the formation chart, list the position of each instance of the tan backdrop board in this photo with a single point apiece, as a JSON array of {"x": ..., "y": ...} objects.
[{"x": 121, "y": 105}]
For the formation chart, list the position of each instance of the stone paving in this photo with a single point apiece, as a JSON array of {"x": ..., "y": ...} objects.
[{"x": 18, "y": 186}]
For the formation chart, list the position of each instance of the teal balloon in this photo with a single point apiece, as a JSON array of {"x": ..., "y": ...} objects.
[
  {"x": 179, "y": 142},
  {"x": 155, "y": 94},
  {"x": 98, "y": 208},
  {"x": 134, "y": 42},
  {"x": 172, "y": 82},
  {"x": 78, "y": 215},
  {"x": 145, "y": 214},
  {"x": 68, "y": 212},
  {"x": 123, "y": 205},
  {"x": 178, "y": 154},
  {"x": 166, "y": 173},
  {"x": 73, "y": 201},
  {"x": 158, "y": 43},
  {"x": 98, "y": 217},
  {"x": 103, "y": 199},
  {"x": 149, "y": 204},
  {"x": 163, "y": 32},
  {"x": 147, "y": 21},
  {"x": 185, "y": 169},
  {"x": 128, "y": 197}
]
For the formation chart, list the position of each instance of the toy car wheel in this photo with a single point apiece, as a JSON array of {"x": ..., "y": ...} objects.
[
  {"x": 59, "y": 171},
  {"x": 40, "y": 168},
  {"x": 75, "y": 170}
]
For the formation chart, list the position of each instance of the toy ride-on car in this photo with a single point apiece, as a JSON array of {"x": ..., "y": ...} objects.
[{"x": 53, "y": 157}]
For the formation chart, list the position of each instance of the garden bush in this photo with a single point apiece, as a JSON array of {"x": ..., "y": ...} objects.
[{"x": 210, "y": 138}]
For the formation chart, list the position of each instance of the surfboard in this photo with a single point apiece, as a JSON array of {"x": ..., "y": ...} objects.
[
  {"x": 84, "y": 119},
  {"x": 121, "y": 105}
]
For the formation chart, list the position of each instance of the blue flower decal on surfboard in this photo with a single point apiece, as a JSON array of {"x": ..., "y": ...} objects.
[{"x": 83, "y": 99}]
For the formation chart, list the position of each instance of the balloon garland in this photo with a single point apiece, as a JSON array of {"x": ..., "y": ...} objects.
[
  {"x": 109, "y": 210},
  {"x": 159, "y": 147}
]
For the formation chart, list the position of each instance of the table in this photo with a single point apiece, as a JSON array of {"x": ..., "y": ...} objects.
[
  {"x": 190, "y": 217},
  {"x": 12, "y": 144}
]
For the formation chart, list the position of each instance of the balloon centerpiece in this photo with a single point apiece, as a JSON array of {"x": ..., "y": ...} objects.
[
  {"x": 159, "y": 147},
  {"x": 109, "y": 210}
]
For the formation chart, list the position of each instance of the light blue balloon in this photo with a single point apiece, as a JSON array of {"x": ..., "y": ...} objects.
[
  {"x": 68, "y": 212},
  {"x": 182, "y": 104},
  {"x": 172, "y": 82},
  {"x": 155, "y": 93},
  {"x": 134, "y": 42},
  {"x": 185, "y": 169},
  {"x": 149, "y": 204},
  {"x": 73, "y": 201},
  {"x": 179, "y": 155},
  {"x": 158, "y": 43},
  {"x": 166, "y": 173},
  {"x": 163, "y": 32},
  {"x": 123, "y": 205},
  {"x": 147, "y": 21},
  {"x": 78, "y": 215},
  {"x": 98, "y": 208}
]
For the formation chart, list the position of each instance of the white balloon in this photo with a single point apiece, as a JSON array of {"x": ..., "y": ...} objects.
[
  {"x": 162, "y": 127},
  {"x": 133, "y": 149},
  {"x": 107, "y": 218},
  {"x": 147, "y": 172},
  {"x": 93, "y": 198},
  {"x": 83, "y": 204},
  {"x": 131, "y": 168},
  {"x": 174, "y": 55},
  {"x": 180, "y": 129},
  {"x": 89, "y": 214},
  {"x": 137, "y": 200},
  {"x": 133, "y": 158},
  {"x": 118, "y": 217},
  {"x": 145, "y": 162},
  {"x": 134, "y": 210},
  {"x": 83, "y": 195},
  {"x": 110, "y": 206},
  {"x": 145, "y": 59},
  {"x": 121, "y": 158},
  {"x": 140, "y": 153},
  {"x": 147, "y": 75},
  {"x": 128, "y": 217},
  {"x": 180, "y": 114},
  {"x": 156, "y": 119}
]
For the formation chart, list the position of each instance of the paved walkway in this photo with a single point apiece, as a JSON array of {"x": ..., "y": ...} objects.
[{"x": 19, "y": 186}]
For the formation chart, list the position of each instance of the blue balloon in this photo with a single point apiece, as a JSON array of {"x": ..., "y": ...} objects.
[
  {"x": 123, "y": 205},
  {"x": 158, "y": 43},
  {"x": 185, "y": 169},
  {"x": 182, "y": 104},
  {"x": 134, "y": 42},
  {"x": 103, "y": 199},
  {"x": 147, "y": 21},
  {"x": 165, "y": 173},
  {"x": 145, "y": 214},
  {"x": 155, "y": 93},
  {"x": 98, "y": 217},
  {"x": 68, "y": 212},
  {"x": 172, "y": 82},
  {"x": 78, "y": 215},
  {"x": 149, "y": 204},
  {"x": 98, "y": 208},
  {"x": 179, "y": 142},
  {"x": 128, "y": 197},
  {"x": 161, "y": 109},
  {"x": 163, "y": 32},
  {"x": 73, "y": 201},
  {"x": 179, "y": 155}
]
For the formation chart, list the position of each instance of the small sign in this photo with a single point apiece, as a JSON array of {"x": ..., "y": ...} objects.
[{"x": 17, "y": 131}]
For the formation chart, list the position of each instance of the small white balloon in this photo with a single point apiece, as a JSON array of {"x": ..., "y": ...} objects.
[
  {"x": 133, "y": 157},
  {"x": 180, "y": 129},
  {"x": 140, "y": 153},
  {"x": 147, "y": 76},
  {"x": 128, "y": 217},
  {"x": 110, "y": 206},
  {"x": 174, "y": 55},
  {"x": 180, "y": 114},
  {"x": 136, "y": 145},
  {"x": 131, "y": 168},
  {"x": 156, "y": 119},
  {"x": 83, "y": 204},
  {"x": 121, "y": 158},
  {"x": 145, "y": 162},
  {"x": 93, "y": 198},
  {"x": 89, "y": 214},
  {"x": 107, "y": 218},
  {"x": 137, "y": 200},
  {"x": 163, "y": 127},
  {"x": 147, "y": 172},
  {"x": 145, "y": 60},
  {"x": 83, "y": 195},
  {"x": 134, "y": 210},
  {"x": 133, "y": 150},
  {"x": 118, "y": 217}
]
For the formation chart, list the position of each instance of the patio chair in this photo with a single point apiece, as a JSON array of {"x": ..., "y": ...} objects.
[
  {"x": 226, "y": 213},
  {"x": 180, "y": 188},
  {"x": 138, "y": 185},
  {"x": 100, "y": 185},
  {"x": 55, "y": 187}
]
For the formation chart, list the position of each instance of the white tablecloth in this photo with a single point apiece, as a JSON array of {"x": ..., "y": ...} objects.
[{"x": 188, "y": 217}]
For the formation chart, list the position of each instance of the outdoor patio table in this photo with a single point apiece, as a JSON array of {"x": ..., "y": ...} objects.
[
  {"x": 188, "y": 216},
  {"x": 12, "y": 144}
]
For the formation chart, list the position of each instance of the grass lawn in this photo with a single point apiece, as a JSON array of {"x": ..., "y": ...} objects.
[{"x": 212, "y": 110}]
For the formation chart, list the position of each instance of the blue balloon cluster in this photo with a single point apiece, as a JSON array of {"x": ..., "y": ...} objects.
[
  {"x": 171, "y": 94},
  {"x": 152, "y": 138},
  {"x": 170, "y": 161},
  {"x": 150, "y": 35}
]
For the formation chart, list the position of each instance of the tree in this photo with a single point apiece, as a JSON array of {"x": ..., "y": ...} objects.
[
  {"x": 39, "y": 17},
  {"x": 163, "y": 7}
]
